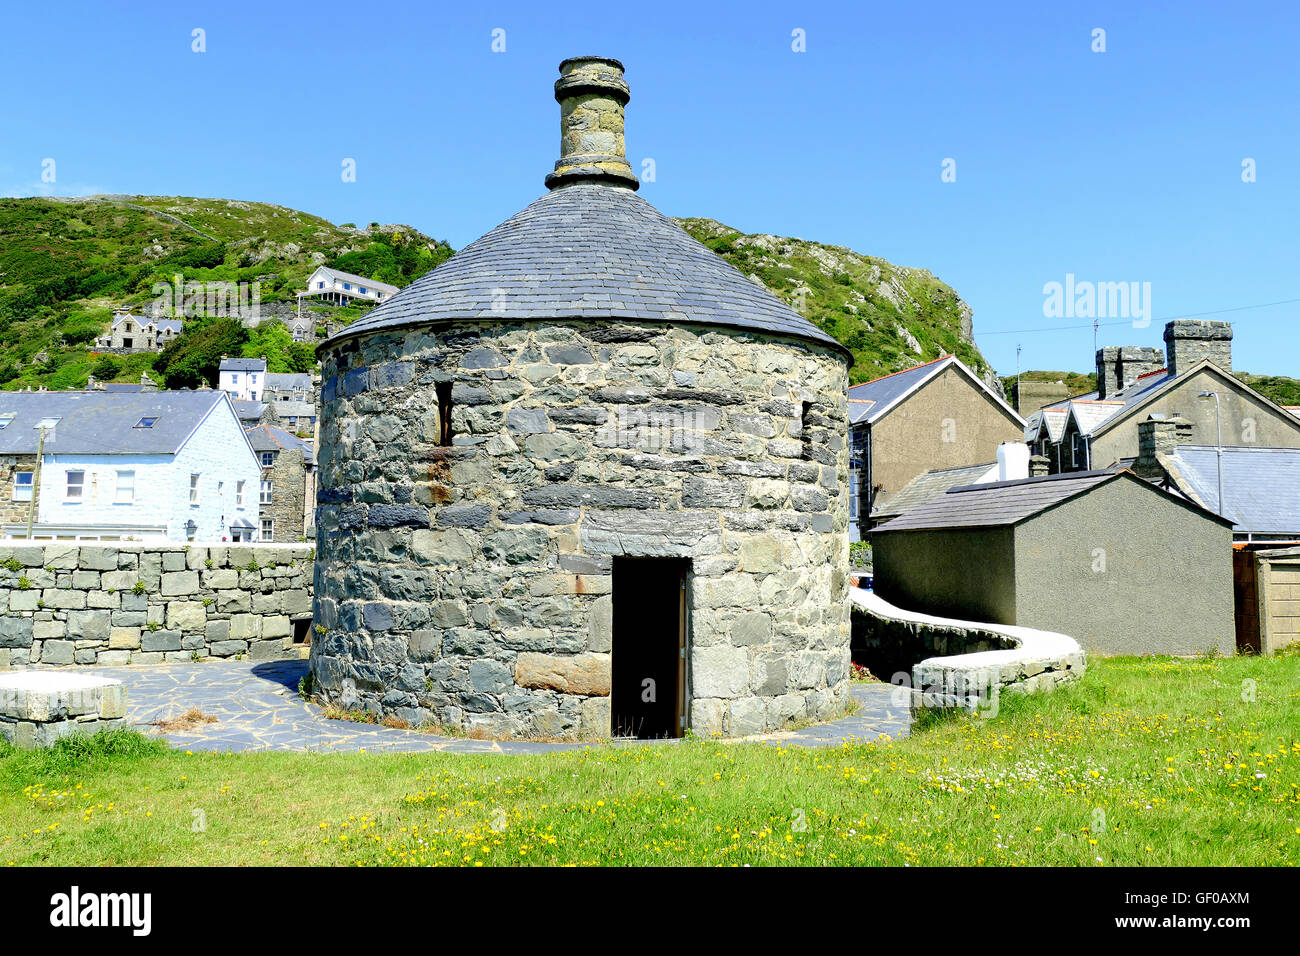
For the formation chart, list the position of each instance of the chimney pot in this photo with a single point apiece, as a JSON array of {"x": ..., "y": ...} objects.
[
  {"x": 592, "y": 95},
  {"x": 1188, "y": 341}
]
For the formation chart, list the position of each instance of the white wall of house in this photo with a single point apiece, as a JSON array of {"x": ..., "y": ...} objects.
[
  {"x": 244, "y": 386},
  {"x": 334, "y": 284},
  {"x": 217, "y": 451}
]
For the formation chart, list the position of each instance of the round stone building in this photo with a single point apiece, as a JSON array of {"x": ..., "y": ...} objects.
[{"x": 584, "y": 478}]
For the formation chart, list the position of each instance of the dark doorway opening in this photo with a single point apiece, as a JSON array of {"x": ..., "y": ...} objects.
[
  {"x": 302, "y": 631},
  {"x": 648, "y": 686}
]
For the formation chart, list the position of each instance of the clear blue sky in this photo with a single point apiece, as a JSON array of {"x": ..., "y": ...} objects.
[{"x": 1117, "y": 166}]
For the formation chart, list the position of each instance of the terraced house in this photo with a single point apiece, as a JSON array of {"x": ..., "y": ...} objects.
[
  {"x": 286, "y": 492},
  {"x": 124, "y": 466},
  {"x": 936, "y": 415},
  {"x": 1195, "y": 384}
]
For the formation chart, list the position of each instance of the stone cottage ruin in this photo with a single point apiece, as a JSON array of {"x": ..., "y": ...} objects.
[{"x": 584, "y": 478}]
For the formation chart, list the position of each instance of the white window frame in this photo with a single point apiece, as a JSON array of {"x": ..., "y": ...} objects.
[
  {"x": 239, "y": 494},
  {"x": 268, "y": 459},
  {"x": 23, "y": 491},
  {"x": 118, "y": 487},
  {"x": 267, "y": 533},
  {"x": 68, "y": 485},
  {"x": 264, "y": 493},
  {"x": 195, "y": 485}
]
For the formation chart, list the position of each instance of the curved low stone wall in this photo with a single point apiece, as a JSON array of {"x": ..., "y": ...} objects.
[{"x": 972, "y": 657}]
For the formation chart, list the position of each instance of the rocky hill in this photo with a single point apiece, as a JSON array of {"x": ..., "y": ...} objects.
[
  {"x": 891, "y": 317},
  {"x": 65, "y": 263}
]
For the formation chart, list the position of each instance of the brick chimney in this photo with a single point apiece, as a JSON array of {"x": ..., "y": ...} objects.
[
  {"x": 592, "y": 93},
  {"x": 1187, "y": 341},
  {"x": 1159, "y": 436},
  {"x": 1118, "y": 366}
]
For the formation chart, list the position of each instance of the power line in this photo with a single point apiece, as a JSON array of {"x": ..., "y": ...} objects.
[{"x": 1167, "y": 318}]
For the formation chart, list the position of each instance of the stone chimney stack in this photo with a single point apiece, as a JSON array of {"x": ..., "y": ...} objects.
[
  {"x": 592, "y": 93},
  {"x": 1120, "y": 366},
  {"x": 1039, "y": 466},
  {"x": 1159, "y": 436},
  {"x": 1187, "y": 341}
]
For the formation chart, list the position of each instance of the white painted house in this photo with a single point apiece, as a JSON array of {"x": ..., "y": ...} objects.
[
  {"x": 243, "y": 378},
  {"x": 344, "y": 288},
  {"x": 112, "y": 466}
]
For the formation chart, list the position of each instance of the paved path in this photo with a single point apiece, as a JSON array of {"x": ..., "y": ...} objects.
[{"x": 258, "y": 708}]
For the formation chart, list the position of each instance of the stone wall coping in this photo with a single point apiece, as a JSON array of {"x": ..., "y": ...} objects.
[
  {"x": 1030, "y": 643},
  {"x": 52, "y": 681}
]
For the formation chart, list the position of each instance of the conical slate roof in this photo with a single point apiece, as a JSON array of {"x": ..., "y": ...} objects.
[{"x": 589, "y": 250}]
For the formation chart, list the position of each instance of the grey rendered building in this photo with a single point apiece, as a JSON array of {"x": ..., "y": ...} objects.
[{"x": 1114, "y": 562}]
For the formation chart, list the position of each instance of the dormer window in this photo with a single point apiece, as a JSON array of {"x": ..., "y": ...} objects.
[{"x": 146, "y": 422}]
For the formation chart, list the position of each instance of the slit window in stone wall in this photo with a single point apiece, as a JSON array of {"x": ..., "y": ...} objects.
[
  {"x": 444, "y": 413},
  {"x": 805, "y": 409}
]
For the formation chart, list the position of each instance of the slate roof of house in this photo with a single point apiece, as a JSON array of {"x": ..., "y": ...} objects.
[
  {"x": 370, "y": 284},
  {"x": 236, "y": 364},
  {"x": 998, "y": 503},
  {"x": 1261, "y": 486},
  {"x": 871, "y": 401},
  {"x": 288, "y": 381},
  {"x": 104, "y": 423},
  {"x": 1006, "y": 503},
  {"x": 272, "y": 438},
  {"x": 588, "y": 251},
  {"x": 249, "y": 411},
  {"x": 1054, "y": 419},
  {"x": 145, "y": 322},
  {"x": 929, "y": 485},
  {"x": 292, "y": 409}
]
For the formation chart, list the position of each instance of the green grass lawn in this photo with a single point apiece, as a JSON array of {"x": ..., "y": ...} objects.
[{"x": 1146, "y": 761}]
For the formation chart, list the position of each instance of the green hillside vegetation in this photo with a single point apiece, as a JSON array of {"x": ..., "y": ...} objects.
[
  {"x": 1079, "y": 383},
  {"x": 891, "y": 317},
  {"x": 66, "y": 263},
  {"x": 1279, "y": 388}
]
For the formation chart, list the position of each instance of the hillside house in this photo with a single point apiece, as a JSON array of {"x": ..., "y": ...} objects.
[
  {"x": 134, "y": 333},
  {"x": 1115, "y": 562},
  {"x": 1100, "y": 428},
  {"x": 243, "y": 378},
  {"x": 344, "y": 288},
  {"x": 287, "y": 487},
  {"x": 936, "y": 415},
  {"x": 112, "y": 466}
]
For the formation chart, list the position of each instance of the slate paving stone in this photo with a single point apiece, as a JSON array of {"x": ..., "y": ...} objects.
[{"x": 258, "y": 708}]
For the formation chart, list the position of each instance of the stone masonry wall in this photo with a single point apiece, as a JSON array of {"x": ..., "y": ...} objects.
[
  {"x": 64, "y": 603},
  {"x": 289, "y": 481},
  {"x": 471, "y": 584},
  {"x": 11, "y": 510}
]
